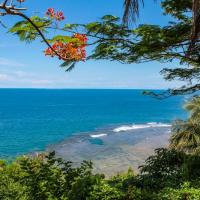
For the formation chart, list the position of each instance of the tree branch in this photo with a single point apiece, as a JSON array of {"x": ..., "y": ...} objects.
[{"x": 11, "y": 10}]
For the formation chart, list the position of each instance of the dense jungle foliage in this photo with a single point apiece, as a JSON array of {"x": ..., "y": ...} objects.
[{"x": 167, "y": 175}]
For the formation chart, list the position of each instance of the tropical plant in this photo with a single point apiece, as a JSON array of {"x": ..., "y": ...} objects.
[
  {"x": 186, "y": 136},
  {"x": 164, "y": 169},
  {"x": 112, "y": 40},
  {"x": 131, "y": 12},
  {"x": 168, "y": 168},
  {"x": 47, "y": 177},
  {"x": 185, "y": 192},
  {"x": 104, "y": 191},
  {"x": 193, "y": 106}
]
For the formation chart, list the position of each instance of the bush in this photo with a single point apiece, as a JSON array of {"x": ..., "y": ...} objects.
[
  {"x": 185, "y": 192},
  {"x": 168, "y": 168},
  {"x": 104, "y": 191},
  {"x": 45, "y": 177}
]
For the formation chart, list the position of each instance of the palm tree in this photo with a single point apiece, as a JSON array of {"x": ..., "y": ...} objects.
[
  {"x": 186, "y": 136},
  {"x": 193, "y": 107},
  {"x": 131, "y": 12}
]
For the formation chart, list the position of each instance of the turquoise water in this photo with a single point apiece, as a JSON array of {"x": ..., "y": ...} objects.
[{"x": 31, "y": 119}]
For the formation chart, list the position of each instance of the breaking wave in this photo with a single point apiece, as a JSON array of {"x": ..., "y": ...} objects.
[
  {"x": 139, "y": 126},
  {"x": 98, "y": 135}
]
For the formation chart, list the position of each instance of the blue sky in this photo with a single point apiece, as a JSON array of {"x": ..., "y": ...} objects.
[{"x": 24, "y": 65}]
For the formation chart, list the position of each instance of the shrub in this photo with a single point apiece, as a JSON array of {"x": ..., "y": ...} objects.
[
  {"x": 46, "y": 177},
  {"x": 185, "y": 192},
  {"x": 104, "y": 191},
  {"x": 168, "y": 168}
]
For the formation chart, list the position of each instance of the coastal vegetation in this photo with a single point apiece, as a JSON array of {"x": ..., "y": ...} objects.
[
  {"x": 172, "y": 173},
  {"x": 167, "y": 175},
  {"x": 186, "y": 133}
]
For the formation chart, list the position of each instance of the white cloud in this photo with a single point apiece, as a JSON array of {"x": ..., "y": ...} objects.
[
  {"x": 22, "y": 78},
  {"x": 41, "y": 82},
  {"x": 9, "y": 63},
  {"x": 23, "y": 74},
  {"x": 4, "y": 77}
]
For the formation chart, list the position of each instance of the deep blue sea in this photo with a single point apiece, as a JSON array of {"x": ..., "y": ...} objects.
[{"x": 32, "y": 119}]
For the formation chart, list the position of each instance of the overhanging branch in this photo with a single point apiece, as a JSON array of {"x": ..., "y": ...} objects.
[{"x": 12, "y": 10}]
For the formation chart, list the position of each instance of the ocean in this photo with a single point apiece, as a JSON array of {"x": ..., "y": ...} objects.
[{"x": 39, "y": 119}]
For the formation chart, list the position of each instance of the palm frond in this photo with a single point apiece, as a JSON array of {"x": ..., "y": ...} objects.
[
  {"x": 186, "y": 136},
  {"x": 131, "y": 10},
  {"x": 2, "y": 24},
  {"x": 193, "y": 107},
  {"x": 69, "y": 66}
]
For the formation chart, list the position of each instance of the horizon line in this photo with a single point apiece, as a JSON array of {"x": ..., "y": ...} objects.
[{"x": 83, "y": 88}]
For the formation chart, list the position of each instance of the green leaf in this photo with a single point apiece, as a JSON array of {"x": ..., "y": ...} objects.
[
  {"x": 26, "y": 31},
  {"x": 110, "y": 18},
  {"x": 65, "y": 39},
  {"x": 70, "y": 26},
  {"x": 68, "y": 65}
]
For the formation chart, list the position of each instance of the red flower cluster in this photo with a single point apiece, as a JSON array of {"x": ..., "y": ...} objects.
[
  {"x": 72, "y": 51},
  {"x": 59, "y": 16}
]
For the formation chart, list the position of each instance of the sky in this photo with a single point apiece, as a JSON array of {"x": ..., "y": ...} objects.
[{"x": 24, "y": 65}]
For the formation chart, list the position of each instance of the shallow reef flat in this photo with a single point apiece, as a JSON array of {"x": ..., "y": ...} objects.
[{"x": 114, "y": 150}]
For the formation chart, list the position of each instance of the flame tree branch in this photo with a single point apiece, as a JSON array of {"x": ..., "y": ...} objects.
[{"x": 16, "y": 11}]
